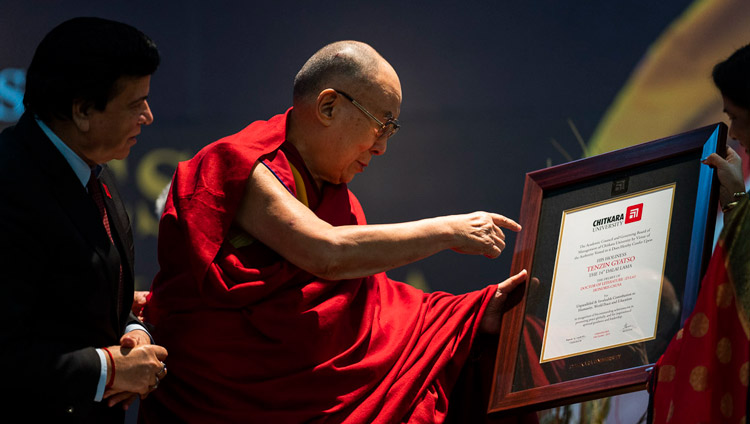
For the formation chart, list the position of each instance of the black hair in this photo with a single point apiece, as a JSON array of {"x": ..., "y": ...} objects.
[
  {"x": 83, "y": 59},
  {"x": 732, "y": 77}
]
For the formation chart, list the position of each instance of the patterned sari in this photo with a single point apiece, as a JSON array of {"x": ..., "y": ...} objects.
[{"x": 703, "y": 375}]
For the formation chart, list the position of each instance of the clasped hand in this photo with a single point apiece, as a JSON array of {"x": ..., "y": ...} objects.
[{"x": 138, "y": 367}]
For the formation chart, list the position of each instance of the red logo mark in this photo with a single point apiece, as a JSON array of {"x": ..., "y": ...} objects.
[{"x": 634, "y": 213}]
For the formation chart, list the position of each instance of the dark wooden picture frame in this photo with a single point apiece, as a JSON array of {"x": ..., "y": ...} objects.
[{"x": 518, "y": 382}]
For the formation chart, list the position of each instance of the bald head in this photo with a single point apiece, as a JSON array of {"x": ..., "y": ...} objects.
[
  {"x": 335, "y": 134},
  {"x": 343, "y": 63}
]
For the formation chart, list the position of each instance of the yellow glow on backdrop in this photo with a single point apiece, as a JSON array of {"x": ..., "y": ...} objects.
[
  {"x": 148, "y": 176},
  {"x": 151, "y": 180},
  {"x": 671, "y": 90}
]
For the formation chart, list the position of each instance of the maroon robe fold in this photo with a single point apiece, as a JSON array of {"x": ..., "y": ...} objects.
[{"x": 253, "y": 338}]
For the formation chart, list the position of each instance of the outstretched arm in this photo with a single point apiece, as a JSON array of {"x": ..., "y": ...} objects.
[{"x": 272, "y": 215}]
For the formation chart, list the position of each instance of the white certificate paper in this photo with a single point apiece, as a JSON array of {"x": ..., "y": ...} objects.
[{"x": 608, "y": 274}]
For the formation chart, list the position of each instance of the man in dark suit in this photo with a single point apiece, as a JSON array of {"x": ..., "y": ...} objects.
[{"x": 71, "y": 350}]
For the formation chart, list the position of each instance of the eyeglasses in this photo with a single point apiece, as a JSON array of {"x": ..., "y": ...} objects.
[{"x": 387, "y": 129}]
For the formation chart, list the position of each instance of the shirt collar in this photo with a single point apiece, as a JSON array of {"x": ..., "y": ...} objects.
[{"x": 79, "y": 166}]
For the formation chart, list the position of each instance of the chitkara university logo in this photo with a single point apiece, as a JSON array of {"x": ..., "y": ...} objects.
[{"x": 634, "y": 213}]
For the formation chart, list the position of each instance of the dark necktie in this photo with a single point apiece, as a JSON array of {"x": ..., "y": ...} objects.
[{"x": 96, "y": 194}]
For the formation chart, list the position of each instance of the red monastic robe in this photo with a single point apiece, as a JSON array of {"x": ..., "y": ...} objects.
[
  {"x": 253, "y": 338},
  {"x": 703, "y": 375}
]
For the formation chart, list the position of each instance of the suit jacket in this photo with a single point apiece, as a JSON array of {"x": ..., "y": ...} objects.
[{"x": 60, "y": 278}]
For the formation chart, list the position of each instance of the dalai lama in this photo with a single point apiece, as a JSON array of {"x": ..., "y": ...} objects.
[{"x": 272, "y": 297}]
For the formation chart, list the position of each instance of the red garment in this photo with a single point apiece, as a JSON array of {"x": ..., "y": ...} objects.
[
  {"x": 703, "y": 375},
  {"x": 253, "y": 338}
]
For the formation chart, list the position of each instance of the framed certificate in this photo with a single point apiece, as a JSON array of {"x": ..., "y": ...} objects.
[{"x": 615, "y": 246}]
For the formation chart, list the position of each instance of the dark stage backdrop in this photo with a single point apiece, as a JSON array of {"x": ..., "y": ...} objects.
[{"x": 492, "y": 90}]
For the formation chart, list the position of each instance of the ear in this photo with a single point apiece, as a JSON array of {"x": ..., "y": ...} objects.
[
  {"x": 326, "y": 106},
  {"x": 81, "y": 114}
]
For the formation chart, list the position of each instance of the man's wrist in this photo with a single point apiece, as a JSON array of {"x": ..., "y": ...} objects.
[
  {"x": 133, "y": 327},
  {"x": 103, "y": 373}
]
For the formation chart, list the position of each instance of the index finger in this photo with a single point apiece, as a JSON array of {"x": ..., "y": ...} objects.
[{"x": 505, "y": 222}]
